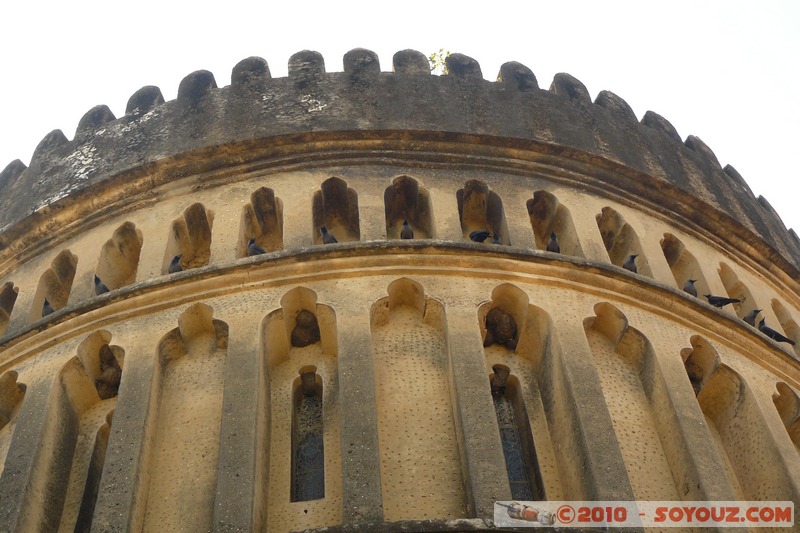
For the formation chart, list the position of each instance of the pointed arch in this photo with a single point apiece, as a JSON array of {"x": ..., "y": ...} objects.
[
  {"x": 55, "y": 285},
  {"x": 683, "y": 264},
  {"x": 788, "y": 324},
  {"x": 262, "y": 220},
  {"x": 548, "y": 216},
  {"x": 515, "y": 361},
  {"x": 480, "y": 208},
  {"x": 406, "y": 199},
  {"x": 187, "y": 391},
  {"x": 621, "y": 240},
  {"x": 737, "y": 289},
  {"x": 301, "y": 480},
  {"x": 629, "y": 377},
  {"x": 190, "y": 237},
  {"x": 61, "y": 485},
  {"x": 335, "y": 206},
  {"x": 417, "y": 433},
  {"x": 787, "y": 402},
  {"x": 119, "y": 257}
]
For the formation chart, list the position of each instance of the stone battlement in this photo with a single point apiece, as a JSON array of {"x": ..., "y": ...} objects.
[{"x": 258, "y": 115}]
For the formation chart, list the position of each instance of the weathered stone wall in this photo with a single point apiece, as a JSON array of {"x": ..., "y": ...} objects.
[{"x": 632, "y": 387}]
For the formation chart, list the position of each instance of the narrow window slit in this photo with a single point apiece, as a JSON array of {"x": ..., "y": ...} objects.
[
  {"x": 308, "y": 449},
  {"x": 522, "y": 466}
]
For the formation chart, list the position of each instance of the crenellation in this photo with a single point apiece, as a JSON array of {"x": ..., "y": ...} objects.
[
  {"x": 251, "y": 73},
  {"x": 362, "y": 66},
  {"x": 144, "y": 100},
  {"x": 93, "y": 119},
  {"x": 763, "y": 202},
  {"x": 492, "y": 114},
  {"x": 571, "y": 88},
  {"x": 697, "y": 145},
  {"x": 49, "y": 143},
  {"x": 463, "y": 67},
  {"x": 616, "y": 106},
  {"x": 517, "y": 76},
  {"x": 738, "y": 180},
  {"x": 195, "y": 86},
  {"x": 411, "y": 63},
  {"x": 11, "y": 173},
  {"x": 306, "y": 68}
]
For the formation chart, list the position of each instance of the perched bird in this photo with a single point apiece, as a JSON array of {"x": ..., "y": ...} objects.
[
  {"x": 107, "y": 384},
  {"x": 327, "y": 236},
  {"x": 47, "y": 309},
  {"x": 552, "y": 244},
  {"x": 720, "y": 301},
  {"x": 750, "y": 317},
  {"x": 689, "y": 287},
  {"x": 306, "y": 329},
  {"x": 479, "y": 235},
  {"x": 254, "y": 249},
  {"x": 175, "y": 265},
  {"x": 501, "y": 328},
  {"x": 630, "y": 263},
  {"x": 772, "y": 334},
  {"x": 406, "y": 232},
  {"x": 99, "y": 286},
  {"x": 499, "y": 380}
]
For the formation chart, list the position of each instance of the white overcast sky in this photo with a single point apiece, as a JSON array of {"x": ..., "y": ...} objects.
[{"x": 726, "y": 71}]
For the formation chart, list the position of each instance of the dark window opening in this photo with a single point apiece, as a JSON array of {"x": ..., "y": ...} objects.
[
  {"x": 522, "y": 466},
  {"x": 308, "y": 449}
]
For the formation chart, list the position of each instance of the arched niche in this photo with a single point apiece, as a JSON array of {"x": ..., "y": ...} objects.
[
  {"x": 480, "y": 208},
  {"x": 190, "y": 237},
  {"x": 300, "y": 350},
  {"x": 630, "y": 378},
  {"x": 788, "y": 324},
  {"x": 335, "y": 206},
  {"x": 744, "y": 437},
  {"x": 737, "y": 289},
  {"x": 700, "y": 361},
  {"x": 549, "y": 216},
  {"x": 280, "y": 325},
  {"x": 621, "y": 240},
  {"x": 416, "y": 429},
  {"x": 406, "y": 199},
  {"x": 520, "y": 399},
  {"x": 8, "y": 297},
  {"x": 787, "y": 402},
  {"x": 184, "y": 420},
  {"x": 683, "y": 264},
  {"x": 119, "y": 257},
  {"x": 65, "y": 485},
  {"x": 54, "y": 285},
  {"x": 262, "y": 220},
  {"x": 12, "y": 394}
]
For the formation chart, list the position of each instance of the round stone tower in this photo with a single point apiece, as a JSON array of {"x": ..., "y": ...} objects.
[{"x": 213, "y": 317}]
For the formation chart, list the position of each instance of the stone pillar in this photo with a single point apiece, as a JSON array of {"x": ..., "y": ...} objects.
[
  {"x": 244, "y": 403},
  {"x": 120, "y": 505},
  {"x": 361, "y": 466},
  {"x": 483, "y": 464},
  {"x": 23, "y": 455},
  {"x": 592, "y": 466}
]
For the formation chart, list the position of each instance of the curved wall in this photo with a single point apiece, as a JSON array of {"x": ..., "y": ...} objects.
[{"x": 207, "y": 363}]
